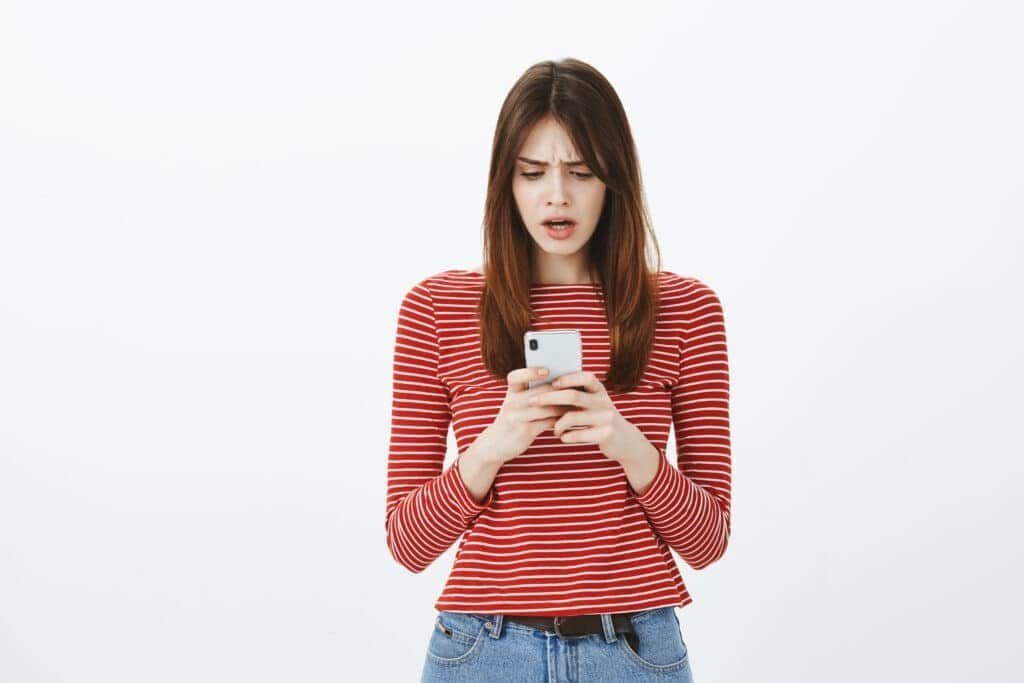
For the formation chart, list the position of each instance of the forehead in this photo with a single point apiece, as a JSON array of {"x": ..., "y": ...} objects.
[{"x": 548, "y": 142}]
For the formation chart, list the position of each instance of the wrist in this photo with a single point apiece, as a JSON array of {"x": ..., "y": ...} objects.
[
  {"x": 641, "y": 468},
  {"x": 479, "y": 452}
]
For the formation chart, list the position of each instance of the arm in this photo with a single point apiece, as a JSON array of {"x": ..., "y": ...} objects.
[
  {"x": 689, "y": 505},
  {"x": 427, "y": 509}
]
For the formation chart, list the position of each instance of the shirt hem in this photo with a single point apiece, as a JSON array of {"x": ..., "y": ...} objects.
[{"x": 495, "y": 608}]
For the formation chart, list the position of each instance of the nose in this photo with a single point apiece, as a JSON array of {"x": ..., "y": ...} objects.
[{"x": 557, "y": 189}]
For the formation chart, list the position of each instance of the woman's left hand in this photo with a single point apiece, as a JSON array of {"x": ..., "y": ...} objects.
[{"x": 616, "y": 436}]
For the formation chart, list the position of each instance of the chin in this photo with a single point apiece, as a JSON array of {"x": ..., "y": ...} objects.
[
  {"x": 562, "y": 249},
  {"x": 560, "y": 246}
]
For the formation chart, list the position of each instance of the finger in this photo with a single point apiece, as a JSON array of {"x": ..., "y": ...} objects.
[
  {"x": 546, "y": 424},
  {"x": 572, "y": 418},
  {"x": 520, "y": 378},
  {"x": 527, "y": 394},
  {"x": 544, "y": 412},
  {"x": 587, "y": 435},
  {"x": 588, "y": 381},
  {"x": 565, "y": 397}
]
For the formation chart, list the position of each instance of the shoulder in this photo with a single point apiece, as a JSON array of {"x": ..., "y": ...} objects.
[
  {"x": 684, "y": 288},
  {"x": 688, "y": 303},
  {"x": 443, "y": 284}
]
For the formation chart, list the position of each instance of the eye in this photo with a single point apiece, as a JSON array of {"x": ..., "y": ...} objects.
[{"x": 536, "y": 174}]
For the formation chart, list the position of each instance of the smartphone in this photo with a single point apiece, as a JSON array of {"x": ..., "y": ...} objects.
[{"x": 560, "y": 351}]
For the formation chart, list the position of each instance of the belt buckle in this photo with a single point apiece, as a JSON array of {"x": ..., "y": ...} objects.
[{"x": 558, "y": 631}]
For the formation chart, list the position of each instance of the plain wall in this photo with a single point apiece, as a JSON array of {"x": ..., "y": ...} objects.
[{"x": 209, "y": 213}]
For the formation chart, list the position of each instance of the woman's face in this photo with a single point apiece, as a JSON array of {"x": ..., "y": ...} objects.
[{"x": 552, "y": 180}]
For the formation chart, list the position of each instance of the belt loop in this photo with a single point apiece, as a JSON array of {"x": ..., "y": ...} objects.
[
  {"x": 609, "y": 628},
  {"x": 495, "y": 625}
]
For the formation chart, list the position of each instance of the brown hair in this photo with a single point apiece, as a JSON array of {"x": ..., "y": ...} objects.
[{"x": 586, "y": 105}]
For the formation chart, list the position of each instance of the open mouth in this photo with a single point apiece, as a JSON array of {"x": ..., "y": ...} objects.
[
  {"x": 561, "y": 229},
  {"x": 559, "y": 225}
]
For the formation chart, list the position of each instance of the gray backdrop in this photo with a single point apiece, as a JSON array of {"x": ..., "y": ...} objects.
[{"x": 209, "y": 213}]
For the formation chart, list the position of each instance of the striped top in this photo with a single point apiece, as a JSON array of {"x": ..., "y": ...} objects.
[{"x": 561, "y": 531}]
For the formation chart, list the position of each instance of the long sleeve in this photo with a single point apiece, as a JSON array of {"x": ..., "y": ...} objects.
[
  {"x": 427, "y": 509},
  {"x": 689, "y": 505}
]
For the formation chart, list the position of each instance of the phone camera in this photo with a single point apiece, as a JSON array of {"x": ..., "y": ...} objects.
[{"x": 533, "y": 344}]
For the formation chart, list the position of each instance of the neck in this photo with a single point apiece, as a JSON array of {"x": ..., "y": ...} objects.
[{"x": 561, "y": 272}]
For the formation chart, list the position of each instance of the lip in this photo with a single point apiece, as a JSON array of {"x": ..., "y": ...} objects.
[
  {"x": 563, "y": 234},
  {"x": 558, "y": 218}
]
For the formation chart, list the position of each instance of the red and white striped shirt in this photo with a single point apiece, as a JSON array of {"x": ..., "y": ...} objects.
[{"x": 561, "y": 531}]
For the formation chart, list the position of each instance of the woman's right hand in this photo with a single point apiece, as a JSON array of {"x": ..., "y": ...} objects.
[{"x": 518, "y": 423}]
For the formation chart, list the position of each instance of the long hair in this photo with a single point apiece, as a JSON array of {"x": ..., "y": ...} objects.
[{"x": 586, "y": 105}]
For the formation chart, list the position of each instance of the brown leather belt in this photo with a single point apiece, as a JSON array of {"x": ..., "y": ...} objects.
[{"x": 580, "y": 625}]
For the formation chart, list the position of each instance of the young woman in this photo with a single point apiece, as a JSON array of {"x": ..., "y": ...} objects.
[{"x": 564, "y": 570}]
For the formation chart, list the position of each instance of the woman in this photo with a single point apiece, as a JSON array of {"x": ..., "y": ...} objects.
[{"x": 564, "y": 570}]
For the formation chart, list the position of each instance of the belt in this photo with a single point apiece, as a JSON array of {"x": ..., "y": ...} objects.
[{"x": 580, "y": 625}]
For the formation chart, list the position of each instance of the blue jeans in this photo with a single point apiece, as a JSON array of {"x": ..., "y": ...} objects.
[{"x": 486, "y": 647}]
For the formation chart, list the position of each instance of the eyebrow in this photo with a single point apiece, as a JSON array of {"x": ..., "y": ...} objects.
[{"x": 544, "y": 163}]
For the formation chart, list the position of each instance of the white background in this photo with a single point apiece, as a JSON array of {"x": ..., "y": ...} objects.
[{"x": 209, "y": 213}]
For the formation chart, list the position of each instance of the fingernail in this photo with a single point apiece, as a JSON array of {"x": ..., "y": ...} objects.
[{"x": 543, "y": 371}]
